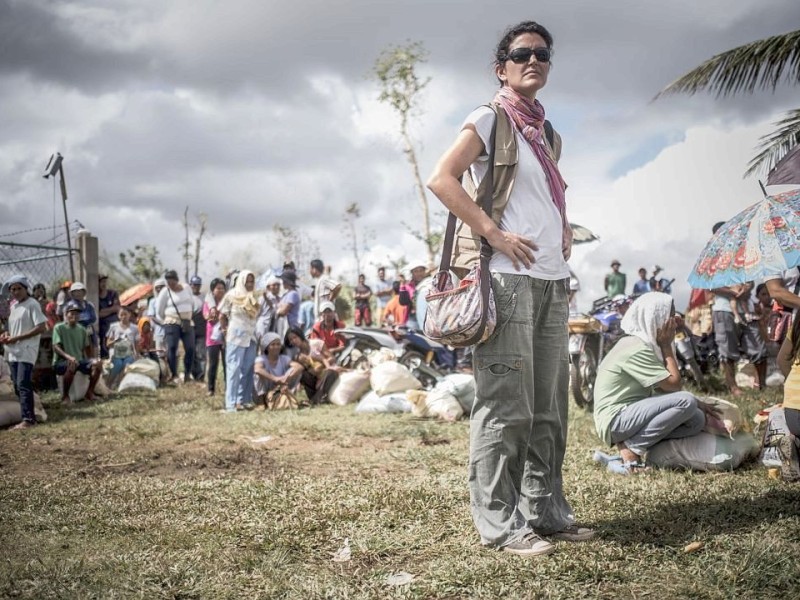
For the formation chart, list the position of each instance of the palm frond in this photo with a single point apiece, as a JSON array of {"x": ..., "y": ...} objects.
[
  {"x": 774, "y": 146},
  {"x": 761, "y": 64}
]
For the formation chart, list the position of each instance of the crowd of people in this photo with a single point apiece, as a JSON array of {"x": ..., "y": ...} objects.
[{"x": 233, "y": 327}]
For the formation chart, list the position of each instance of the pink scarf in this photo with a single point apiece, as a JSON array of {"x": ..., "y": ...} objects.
[{"x": 528, "y": 118}]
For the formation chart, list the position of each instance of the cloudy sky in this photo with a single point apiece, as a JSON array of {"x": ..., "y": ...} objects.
[{"x": 259, "y": 113}]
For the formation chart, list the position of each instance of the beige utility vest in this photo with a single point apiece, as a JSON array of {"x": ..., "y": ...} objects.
[{"x": 467, "y": 245}]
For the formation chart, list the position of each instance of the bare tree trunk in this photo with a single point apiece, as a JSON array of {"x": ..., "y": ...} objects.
[
  {"x": 186, "y": 243},
  {"x": 411, "y": 155},
  {"x": 203, "y": 221}
]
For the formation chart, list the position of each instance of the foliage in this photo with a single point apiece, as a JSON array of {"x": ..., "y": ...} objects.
[
  {"x": 763, "y": 65},
  {"x": 140, "y": 264},
  {"x": 294, "y": 245},
  {"x": 400, "y": 87},
  {"x": 357, "y": 246},
  {"x": 167, "y": 498}
]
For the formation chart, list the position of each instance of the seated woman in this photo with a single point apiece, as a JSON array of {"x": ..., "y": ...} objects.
[
  {"x": 121, "y": 340},
  {"x": 626, "y": 412},
  {"x": 273, "y": 370},
  {"x": 319, "y": 365}
]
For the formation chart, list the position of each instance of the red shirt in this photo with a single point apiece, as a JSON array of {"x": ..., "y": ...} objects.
[{"x": 331, "y": 339}]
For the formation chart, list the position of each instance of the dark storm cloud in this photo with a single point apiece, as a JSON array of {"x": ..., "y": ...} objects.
[
  {"x": 158, "y": 105},
  {"x": 37, "y": 41}
]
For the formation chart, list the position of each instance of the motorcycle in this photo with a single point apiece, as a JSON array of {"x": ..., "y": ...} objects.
[
  {"x": 686, "y": 355},
  {"x": 361, "y": 342},
  {"x": 590, "y": 339}
]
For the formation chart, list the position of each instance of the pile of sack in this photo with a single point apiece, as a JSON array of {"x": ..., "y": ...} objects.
[
  {"x": 390, "y": 387},
  {"x": 141, "y": 376}
]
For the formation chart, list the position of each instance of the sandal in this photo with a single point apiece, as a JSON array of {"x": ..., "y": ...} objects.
[{"x": 626, "y": 468}]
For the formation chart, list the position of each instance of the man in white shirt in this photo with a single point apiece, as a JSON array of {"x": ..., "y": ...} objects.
[
  {"x": 325, "y": 289},
  {"x": 26, "y": 323}
]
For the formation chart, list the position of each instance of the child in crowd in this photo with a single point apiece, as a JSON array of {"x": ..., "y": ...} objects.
[{"x": 122, "y": 341}]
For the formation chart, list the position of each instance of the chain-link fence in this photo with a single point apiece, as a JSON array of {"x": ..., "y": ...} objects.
[{"x": 39, "y": 254}]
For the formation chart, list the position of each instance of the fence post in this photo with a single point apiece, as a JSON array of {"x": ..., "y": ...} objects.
[{"x": 88, "y": 264}]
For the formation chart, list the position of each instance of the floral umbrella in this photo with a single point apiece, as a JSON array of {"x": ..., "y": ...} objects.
[{"x": 763, "y": 239}]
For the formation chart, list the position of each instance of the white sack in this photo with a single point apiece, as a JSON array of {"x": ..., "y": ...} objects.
[{"x": 390, "y": 377}]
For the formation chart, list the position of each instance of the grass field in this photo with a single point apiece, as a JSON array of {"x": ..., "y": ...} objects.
[{"x": 144, "y": 497}]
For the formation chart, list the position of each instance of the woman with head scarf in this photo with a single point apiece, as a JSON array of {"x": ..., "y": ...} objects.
[
  {"x": 638, "y": 397},
  {"x": 238, "y": 314},
  {"x": 273, "y": 369}
]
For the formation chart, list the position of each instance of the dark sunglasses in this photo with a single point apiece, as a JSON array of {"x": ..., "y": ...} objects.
[{"x": 523, "y": 55}]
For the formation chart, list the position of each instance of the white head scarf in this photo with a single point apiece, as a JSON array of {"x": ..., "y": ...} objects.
[
  {"x": 649, "y": 313},
  {"x": 241, "y": 297},
  {"x": 269, "y": 338}
]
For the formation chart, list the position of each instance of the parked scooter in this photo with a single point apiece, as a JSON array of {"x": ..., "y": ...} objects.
[
  {"x": 590, "y": 338},
  {"x": 360, "y": 343}
]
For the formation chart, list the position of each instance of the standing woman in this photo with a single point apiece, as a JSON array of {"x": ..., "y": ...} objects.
[
  {"x": 518, "y": 426},
  {"x": 174, "y": 307},
  {"x": 237, "y": 315},
  {"x": 215, "y": 342}
]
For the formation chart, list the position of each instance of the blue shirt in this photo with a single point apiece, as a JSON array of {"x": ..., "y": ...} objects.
[
  {"x": 292, "y": 298},
  {"x": 641, "y": 287}
]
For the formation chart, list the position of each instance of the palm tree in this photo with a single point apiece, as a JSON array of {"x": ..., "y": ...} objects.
[{"x": 759, "y": 65}]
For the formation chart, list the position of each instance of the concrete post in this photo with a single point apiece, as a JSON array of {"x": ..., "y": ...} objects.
[{"x": 88, "y": 264}]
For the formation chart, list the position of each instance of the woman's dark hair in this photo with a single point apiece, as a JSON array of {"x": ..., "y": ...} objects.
[
  {"x": 761, "y": 286},
  {"x": 396, "y": 287},
  {"x": 215, "y": 282},
  {"x": 293, "y": 330},
  {"x": 510, "y": 34}
]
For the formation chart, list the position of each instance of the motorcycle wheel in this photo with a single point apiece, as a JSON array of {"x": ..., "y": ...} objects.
[
  {"x": 412, "y": 359},
  {"x": 582, "y": 377}
]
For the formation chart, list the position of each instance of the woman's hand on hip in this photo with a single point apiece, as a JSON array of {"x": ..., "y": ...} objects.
[{"x": 519, "y": 249}]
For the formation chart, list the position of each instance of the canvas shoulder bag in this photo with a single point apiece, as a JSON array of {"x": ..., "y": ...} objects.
[{"x": 464, "y": 315}]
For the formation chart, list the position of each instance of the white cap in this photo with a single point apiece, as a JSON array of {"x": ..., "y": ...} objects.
[
  {"x": 160, "y": 282},
  {"x": 326, "y": 305},
  {"x": 77, "y": 287}
]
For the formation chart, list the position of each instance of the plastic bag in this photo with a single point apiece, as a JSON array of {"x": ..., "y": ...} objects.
[
  {"x": 460, "y": 385},
  {"x": 389, "y": 403},
  {"x": 437, "y": 403},
  {"x": 703, "y": 452}
]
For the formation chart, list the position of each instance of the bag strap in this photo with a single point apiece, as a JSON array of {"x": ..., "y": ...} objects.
[
  {"x": 484, "y": 200},
  {"x": 549, "y": 134}
]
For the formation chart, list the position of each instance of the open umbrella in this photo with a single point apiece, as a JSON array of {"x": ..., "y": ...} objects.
[
  {"x": 134, "y": 293},
  {"x": 581, "y": 235},
  {"x": 787, "y": 171},
  {"x": 763, "y": 239}
]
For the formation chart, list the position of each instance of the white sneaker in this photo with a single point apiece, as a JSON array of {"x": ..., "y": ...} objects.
[{"x": 529, "y": 545}]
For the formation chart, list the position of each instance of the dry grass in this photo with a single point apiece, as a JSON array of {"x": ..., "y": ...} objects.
[{"x": 167, "y": 498}]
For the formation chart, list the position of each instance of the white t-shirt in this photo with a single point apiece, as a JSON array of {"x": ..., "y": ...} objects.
[
  {"x": 382, "y": 286},
  {"x": 172, "y": 307},
  {"x": 530, "y": 211},
  {"x": 24, "y": 316},
  {"x": 125, "y": 339}
]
